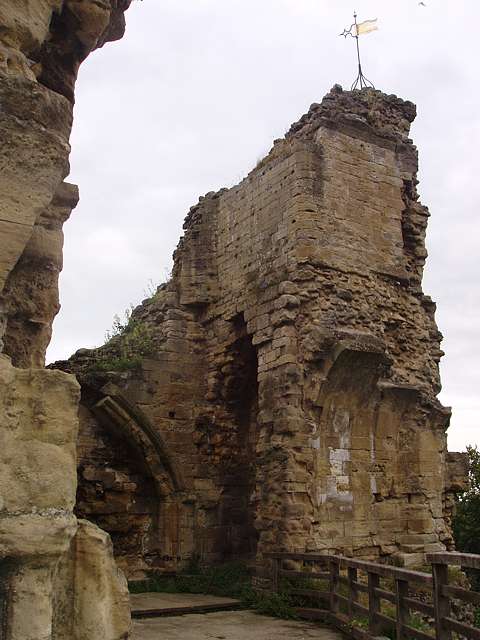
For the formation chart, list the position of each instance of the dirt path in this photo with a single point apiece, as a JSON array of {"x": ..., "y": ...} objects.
[{"x": 230, "y": 625}]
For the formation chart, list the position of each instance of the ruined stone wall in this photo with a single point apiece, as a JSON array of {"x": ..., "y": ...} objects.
[
  {"x": 292, "y": 365},
  {"x": 117, "y": 493},
  {"x": 42, "y": 43}
]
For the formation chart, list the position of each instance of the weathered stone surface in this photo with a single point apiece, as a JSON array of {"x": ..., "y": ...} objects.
[
  {"x": 38, "y": 415},
  {"x": 31, "y": 291},
  {"x": 35, "y": 125},
  {"x": 38, "y": 438},
  {"x": 48, "y": 39},
  {"x": 292, "y": 360},
  {"x": 92, "y": 599},
  {"x": 42, "y": 43}
]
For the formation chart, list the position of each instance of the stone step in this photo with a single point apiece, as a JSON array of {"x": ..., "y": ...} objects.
[{"x": 154, "y": 605}]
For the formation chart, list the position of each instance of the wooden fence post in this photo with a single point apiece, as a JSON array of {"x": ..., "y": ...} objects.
[
  {"x": 275, "y": 572},
  {"x": 441, "y": 602},
  {"x": 334, "y": 582},
  {"x": 373, "y": 603},
  {"x": 403, "y": 612},
  {"x": 352, "y": 591}
]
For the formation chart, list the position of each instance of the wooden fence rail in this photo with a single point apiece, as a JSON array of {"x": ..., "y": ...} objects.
[{"x": 353, "y": 594}]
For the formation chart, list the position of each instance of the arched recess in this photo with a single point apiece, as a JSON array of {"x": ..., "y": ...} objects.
[
  {"x": 348, "y": 468},
  {"x": 377, "y": 457},
  {"x": 128, "y": 484},
  {"x": 349, "y": 402}
]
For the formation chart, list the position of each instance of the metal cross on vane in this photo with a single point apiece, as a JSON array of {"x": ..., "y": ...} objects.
[{"x": 356, "y": 30}]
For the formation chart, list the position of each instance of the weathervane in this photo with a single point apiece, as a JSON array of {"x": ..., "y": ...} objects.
[{"x": 355, "y": 31}]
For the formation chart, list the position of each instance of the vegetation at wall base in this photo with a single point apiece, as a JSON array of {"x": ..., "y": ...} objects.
[
  {"x": 231, "y": 580},
  {"x": 227, "y": 580}
]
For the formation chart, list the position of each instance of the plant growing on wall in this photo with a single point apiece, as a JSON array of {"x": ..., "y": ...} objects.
[{"x": 128, "y": 341}]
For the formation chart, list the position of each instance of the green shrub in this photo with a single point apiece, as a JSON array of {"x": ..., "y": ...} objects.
[
  {"x": 277, "y": 605},
  {"x": 417, "y": 622},
  {"x": 231, "y": 580},
  {"x": 227, "y": 580},
  {"x": 466, "y": 523},
  {"x": 127, "y": 343},
  {"x": 360, "y": 622}
]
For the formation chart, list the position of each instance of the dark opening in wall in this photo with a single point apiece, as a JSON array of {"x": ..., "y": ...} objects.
[
  {"x": 241, "y": 395},
  {"x": 6, "y": 569}
]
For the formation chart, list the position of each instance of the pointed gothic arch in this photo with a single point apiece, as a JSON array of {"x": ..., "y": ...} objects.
[{"x": 148, "y": 530}]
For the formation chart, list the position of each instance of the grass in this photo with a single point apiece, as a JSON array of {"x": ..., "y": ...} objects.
[
  {"x": 232, "y": 580},
  {"x": 277, "y": 605},
  {"x": 389, "y": 631},
  {"x": 360, "y": 622},
  {"x": 228, "y": 580}
]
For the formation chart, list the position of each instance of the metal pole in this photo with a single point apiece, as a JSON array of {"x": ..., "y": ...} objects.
[
  {"x": 361, "y": 81},
  {"x": 360, "y": 74}
]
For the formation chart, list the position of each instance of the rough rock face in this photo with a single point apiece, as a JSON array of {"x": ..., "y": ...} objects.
[
  {"x": 281, "y": 387},
  {"x": 92, "y": 599},
  {"x": 42, "y": 43},
  {"x": 31, "y": 290},
  {"x": 38, "y": 410}
]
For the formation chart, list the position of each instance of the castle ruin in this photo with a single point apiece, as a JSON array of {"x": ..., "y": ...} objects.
[
  {"x": 284, "y": 397},
  {"x": 278, "y": 393}
]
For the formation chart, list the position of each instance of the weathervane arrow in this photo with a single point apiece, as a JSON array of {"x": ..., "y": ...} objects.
[{"x": 357, "y": 29}]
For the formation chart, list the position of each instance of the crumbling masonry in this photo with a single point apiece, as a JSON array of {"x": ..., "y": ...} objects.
[
  {"x": 285, "y": 397},
  {"x": 58, "y": 578}
]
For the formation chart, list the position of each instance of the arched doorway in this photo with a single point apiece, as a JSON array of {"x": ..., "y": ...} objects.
[{"x": 127, "y": 485}]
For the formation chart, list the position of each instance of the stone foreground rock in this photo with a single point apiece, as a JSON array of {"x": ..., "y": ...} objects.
[
  {"x": 38, "y": 417},
  {"x": 42, "y": 43},
  {"x": 279, "y": 392},
  {"x": 92, "y": 598}
]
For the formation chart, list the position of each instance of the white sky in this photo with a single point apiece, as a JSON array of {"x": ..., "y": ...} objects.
[{"x": 194, "y": 95}]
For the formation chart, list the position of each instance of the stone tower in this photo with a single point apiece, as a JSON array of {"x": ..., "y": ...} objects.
[{"x": 279, "y": 392}]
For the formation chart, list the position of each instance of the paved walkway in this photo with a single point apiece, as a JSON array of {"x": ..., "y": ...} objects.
[{"x": 228, "y": 625}]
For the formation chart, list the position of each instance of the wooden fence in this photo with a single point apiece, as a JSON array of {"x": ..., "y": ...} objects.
[{"x": 355, "y": 591}]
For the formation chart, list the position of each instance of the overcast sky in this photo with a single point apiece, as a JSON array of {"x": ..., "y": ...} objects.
[{"x": 193, "y": 97}]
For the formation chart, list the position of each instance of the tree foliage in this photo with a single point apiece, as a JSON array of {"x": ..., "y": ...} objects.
[{"x": 466, "y": 524}]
